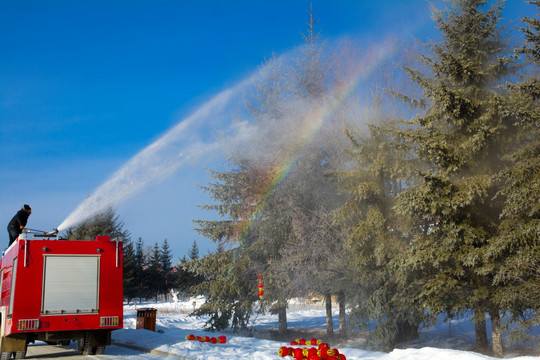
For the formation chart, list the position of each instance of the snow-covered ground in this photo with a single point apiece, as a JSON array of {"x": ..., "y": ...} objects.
[{"x": 173, "y": 324}]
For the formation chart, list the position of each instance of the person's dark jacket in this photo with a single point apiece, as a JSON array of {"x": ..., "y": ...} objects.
[{"x": 18, "y": 222}]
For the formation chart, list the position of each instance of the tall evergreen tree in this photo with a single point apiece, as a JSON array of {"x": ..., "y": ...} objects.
[
  {"x": 459, "y": 140},
  {"x": 373, "y": 180},
  {"x": 226, "y": 279},
  {"x": 194, "y": 251},
  {"x": 130, "y": 270},
  {"x": 166, "y": 266},
  {"x": 514, "y": 257},
  {"x": 140, "y": 264},
  {"x": 154, "y": 276},
  {"x": 267, "y": 217},
  {"x": 229, "y": 297}
]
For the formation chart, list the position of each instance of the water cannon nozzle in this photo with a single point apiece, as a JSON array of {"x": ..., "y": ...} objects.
[{"x": 52, "y": 233}]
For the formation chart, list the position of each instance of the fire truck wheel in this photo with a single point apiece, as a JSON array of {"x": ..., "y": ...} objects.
[
  {"x": 20, "y": 355},
  {"x": 5, "y": 355},
  {"x": 98, "y": 350},
  {"x": 84, "y": 345}
]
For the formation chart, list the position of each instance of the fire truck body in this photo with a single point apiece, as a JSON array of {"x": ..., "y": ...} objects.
[{"x": 60, "y": 290}]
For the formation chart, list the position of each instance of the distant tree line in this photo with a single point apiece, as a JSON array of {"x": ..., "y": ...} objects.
[
  {"x": 432, "y": 208},
  {"x": 149, "y": 272}
]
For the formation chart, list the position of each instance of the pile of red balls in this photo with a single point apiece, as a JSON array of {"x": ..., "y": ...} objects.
[
  {"x": 321, "y": 351},
  {"x": 207, "y": 339}
]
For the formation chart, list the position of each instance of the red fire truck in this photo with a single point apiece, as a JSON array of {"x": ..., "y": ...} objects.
[{"x": 57, "y": 291}]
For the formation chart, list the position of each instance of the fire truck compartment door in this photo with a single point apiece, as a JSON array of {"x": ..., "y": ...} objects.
[{"x": 70, "y": 284}]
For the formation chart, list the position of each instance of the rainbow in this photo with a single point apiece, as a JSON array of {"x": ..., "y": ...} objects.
[{"x": 313, "y": 121}]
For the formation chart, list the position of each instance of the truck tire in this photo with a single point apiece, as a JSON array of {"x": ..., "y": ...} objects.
[
  {"x": 98, "y": 350},
  {"x": 84, "y": 344},
  {"x": 5, "y": 355},
  {"x": 21, "y": 354}
]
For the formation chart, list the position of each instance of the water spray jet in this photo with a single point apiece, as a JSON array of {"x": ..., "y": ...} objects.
[{"x": 158, "y": 160}]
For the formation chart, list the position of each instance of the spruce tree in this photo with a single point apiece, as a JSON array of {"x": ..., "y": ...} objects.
[
  {"x": 140, "y": 267},
  {"x": 373, "y": 179},
  {"x": 130, "y": 270},
  {"x": 154, "y": 276},
  {"x": 194, "y": 251},
  {"x": 514, "y": 256},
  {"x": 266, "y": 216},
  {"x": 229, "y": 296},
  {"x": 166, "y": 266},
  {"x": 460, "y": 141},
  {"x": 226, "y": 280},
  {"x": 306, "y": 248}
]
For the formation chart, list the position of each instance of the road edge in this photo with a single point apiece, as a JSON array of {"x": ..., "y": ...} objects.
[{"x": 150, "y": 351}]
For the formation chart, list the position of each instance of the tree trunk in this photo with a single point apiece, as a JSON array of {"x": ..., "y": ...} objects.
[
  {"x": 496, "y": 334},
  {"x": 342, "y": 315},
  {"x": 480, "y": 331},
  {"x": 282, "y": 317},
  {"x": 406, "y": 331},
  {"x": 329, "y": 323}
]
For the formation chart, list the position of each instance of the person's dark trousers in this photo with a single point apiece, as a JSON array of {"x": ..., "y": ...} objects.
[{"x": 13, "y": 234}]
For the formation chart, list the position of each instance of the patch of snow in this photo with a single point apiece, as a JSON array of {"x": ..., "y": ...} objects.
[{"x": 446, "y": 340}]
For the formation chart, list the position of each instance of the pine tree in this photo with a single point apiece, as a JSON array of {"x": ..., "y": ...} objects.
[
  {"x": 154, "y": 277},
  {"x": 130, "y": 270},
  {"x": 514, "y": 256},
  {"x": 194, "y": 251},
  {"x": 166, "y": 266},
  {"x": 140, "y": 268},
  {"x": 460, "y": 141},
  {"x": 373, "y": 179},
  {"x": 265, "y": 216},
  {"x": 185, "y": 277},
  {"x": 226, "y": 281},
  {"x": 302, "y": 250},
  {"x": 229, "y": 297}
]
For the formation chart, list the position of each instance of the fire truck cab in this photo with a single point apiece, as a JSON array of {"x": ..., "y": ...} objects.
[{"x": 57, "y": 291}]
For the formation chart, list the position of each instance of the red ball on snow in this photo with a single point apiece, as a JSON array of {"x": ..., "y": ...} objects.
[
  {"x": 298, "y": 354},
  {"x": 312, "y": 351},
  {"x": 325, "y": 352},
  {"x": 323, "y": 345},
  {"x": 283, "y": 351},
  {"x": 222, "y": 339}
]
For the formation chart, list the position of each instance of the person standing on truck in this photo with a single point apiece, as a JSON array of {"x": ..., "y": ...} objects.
[{"x": 18, "y": 222}]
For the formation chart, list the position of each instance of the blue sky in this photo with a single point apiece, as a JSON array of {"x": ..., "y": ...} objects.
[{"x": 85, "y": 85}]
